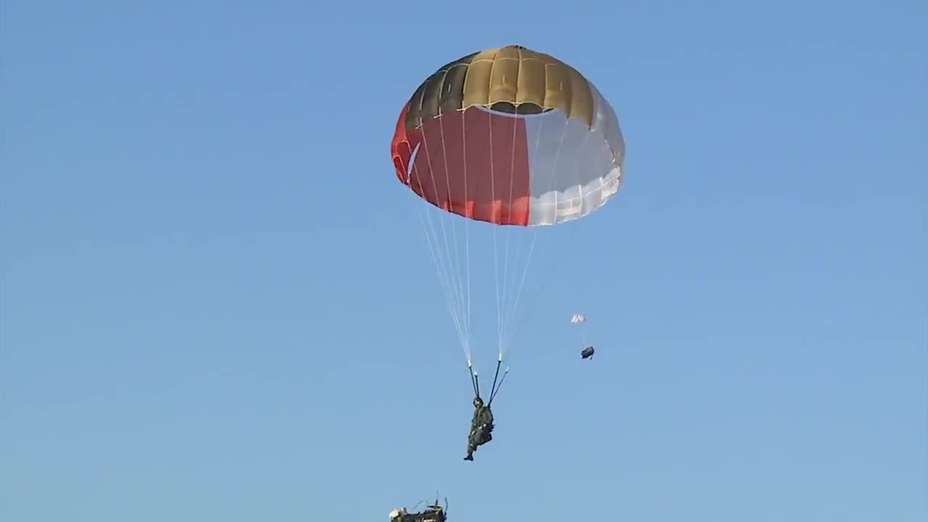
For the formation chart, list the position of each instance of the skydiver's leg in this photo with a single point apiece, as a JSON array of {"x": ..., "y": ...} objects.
[{"x": 471, "y": 447}]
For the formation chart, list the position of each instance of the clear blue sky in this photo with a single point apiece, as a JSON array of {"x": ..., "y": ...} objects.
[{"x": 217, "y": 302}]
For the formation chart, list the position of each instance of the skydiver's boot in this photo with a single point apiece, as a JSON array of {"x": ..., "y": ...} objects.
[{"x": 469, "y": 457}]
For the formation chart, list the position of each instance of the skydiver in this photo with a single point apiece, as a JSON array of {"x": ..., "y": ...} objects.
[
  {"x": 587, "y": 353},
  {"x": 481, "y": 428}
]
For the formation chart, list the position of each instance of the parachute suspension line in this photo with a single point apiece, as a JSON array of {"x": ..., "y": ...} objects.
[
  {"x": 456, "y": 266},
  {"x": 499, "y": 334},
  {"x": 505, "y": 334},
  {"x": 466, "y": 223},
  {"x": 512, "y": 167},
  {"x": 441, "y": 269},
  {"x": 452, "y": 269},
  {"x": 467, "y": 268},
  {"x": 506, "y": 277},
  {"x": 495, "y": 376},
  {"x": 473, "y": 379},
  {"x": 549, "y": 189},
  {"x": 514, "y": 280},
  {"x": 513, "y": 309},
  {"x": 521, "y": 286},
  {"x": 501, "y": 316},
  {"x": 453, "y": 280},
  {"x": 498, "y": 387},
  {"x": 430, "y": 236},
  {"x": 499, "y": 322}
]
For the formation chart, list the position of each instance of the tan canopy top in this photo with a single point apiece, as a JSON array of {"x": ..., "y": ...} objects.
[{"x": 510, "y": 79}]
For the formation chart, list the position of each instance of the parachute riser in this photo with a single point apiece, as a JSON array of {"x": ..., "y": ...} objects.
[
  {"x": 497, "y": 381},
  {"x": 498, "y": 387},
  {"x": 495, "y": 376},
  {"x": 474, "y": 383}
]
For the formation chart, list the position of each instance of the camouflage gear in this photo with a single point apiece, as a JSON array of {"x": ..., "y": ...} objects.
[{"x": 481, "y": 428}]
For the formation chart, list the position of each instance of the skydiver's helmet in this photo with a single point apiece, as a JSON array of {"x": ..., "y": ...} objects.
[
  {"x": 397, "y": 514},
  {"x": 478, "y": 402}
]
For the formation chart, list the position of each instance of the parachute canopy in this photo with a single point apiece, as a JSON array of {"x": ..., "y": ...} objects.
[
  {"x": 509, "y": 136},
  {"x": 499, "y": 143},
  {"x": 577, "y": 319}
]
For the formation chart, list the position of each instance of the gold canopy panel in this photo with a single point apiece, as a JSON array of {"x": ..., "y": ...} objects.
[{"x": 510, "y": 79}]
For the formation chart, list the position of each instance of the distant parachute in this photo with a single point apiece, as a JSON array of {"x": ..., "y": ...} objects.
[{"x": 579, "y": 319}]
